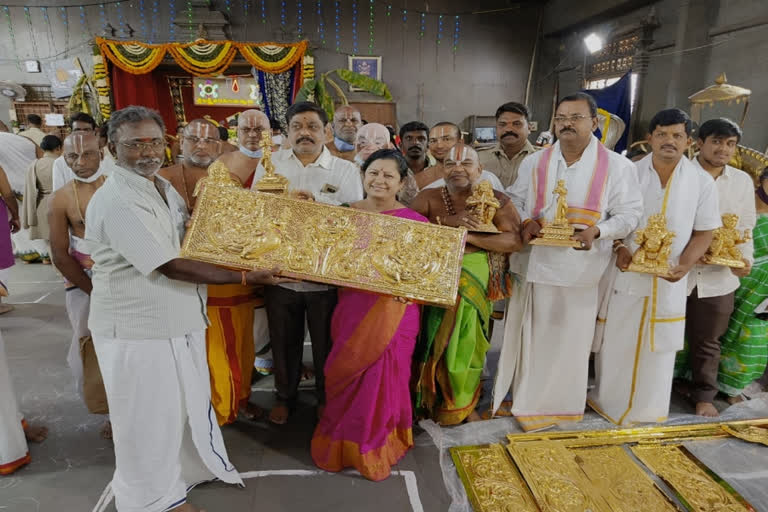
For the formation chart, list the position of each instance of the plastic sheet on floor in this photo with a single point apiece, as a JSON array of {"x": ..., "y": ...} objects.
[{"x": 743, "y": 465}]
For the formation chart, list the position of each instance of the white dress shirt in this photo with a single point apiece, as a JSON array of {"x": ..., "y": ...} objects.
[
  {"x": 736, "y": 194},
  {"x": 330, "y": 179},
  {"x": 621, "y": 209}
]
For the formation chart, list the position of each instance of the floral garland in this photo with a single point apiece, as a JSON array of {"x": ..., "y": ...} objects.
[
  {"x": 201, "y": 58},
  {"x": 101, "y": 80}
]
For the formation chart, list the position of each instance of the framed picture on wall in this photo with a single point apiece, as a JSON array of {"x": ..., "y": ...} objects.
[{"x": 368, "y": 66}]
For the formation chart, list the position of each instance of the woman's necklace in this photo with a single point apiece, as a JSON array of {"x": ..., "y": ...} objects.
[{"x": 447, "y": 202}]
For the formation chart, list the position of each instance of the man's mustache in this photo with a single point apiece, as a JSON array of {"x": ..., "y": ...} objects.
[
  {"x": 668, "y": 146},
  {"x": 513, "y": 134},
  {"x": 567, "y": 130},
  {"x": 305, "y": 139}
]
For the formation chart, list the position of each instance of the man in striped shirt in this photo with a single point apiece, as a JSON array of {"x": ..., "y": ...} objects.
[{"x": 148, "y": 324}]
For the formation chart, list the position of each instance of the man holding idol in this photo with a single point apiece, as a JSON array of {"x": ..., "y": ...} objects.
[
  {"x": 575, "y": 198},
  {"x": 645, "y": 320}
]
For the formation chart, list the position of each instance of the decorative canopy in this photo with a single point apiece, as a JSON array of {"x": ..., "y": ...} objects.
[
  {"x": 722, "y": 91},
  {"x": 201, "y": 58}
]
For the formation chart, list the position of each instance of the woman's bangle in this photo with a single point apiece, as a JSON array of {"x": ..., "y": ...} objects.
[
  {"x": 617, "y": 246},
  {"x": 243, "y": 281}
]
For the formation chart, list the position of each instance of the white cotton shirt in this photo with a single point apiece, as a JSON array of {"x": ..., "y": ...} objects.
[
  {"x": 692, "y": 206},
  {"x": 330, "y": 179},
  {"x": 621, "y": 209},
  {"x": 736, "y": 194}
]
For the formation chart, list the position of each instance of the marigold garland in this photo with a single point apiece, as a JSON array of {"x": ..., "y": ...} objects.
[{"x": 201, "y": 57}]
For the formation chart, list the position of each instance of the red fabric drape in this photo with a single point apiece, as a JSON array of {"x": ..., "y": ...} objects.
[{"x": 149, "y": 90}]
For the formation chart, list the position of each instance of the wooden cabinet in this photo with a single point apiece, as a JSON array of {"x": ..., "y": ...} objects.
[{"x": 383, "y": 112}]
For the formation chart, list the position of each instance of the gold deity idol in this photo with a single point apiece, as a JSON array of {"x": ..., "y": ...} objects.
[
  {"x": 271, "y": 181},
  {"x": 558, "y": 233},
  {"x": 655, "y": 241},
  {"x": 723, "y": 250},
  {"x": 483, "y": 205}
]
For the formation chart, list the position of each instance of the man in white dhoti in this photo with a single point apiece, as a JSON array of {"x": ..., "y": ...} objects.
[
  {"x": 148, "y": 324},
  {"x": 550, "y": 324},
  {"x": 14, "y": 430},
  {"x": 644, "y": 314},
  {"x": 73, "y": 260}
]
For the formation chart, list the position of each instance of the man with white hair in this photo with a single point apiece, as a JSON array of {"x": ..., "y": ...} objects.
[
  {"x": 369, "y": 139},
  {"x": 148, "y": 320}
]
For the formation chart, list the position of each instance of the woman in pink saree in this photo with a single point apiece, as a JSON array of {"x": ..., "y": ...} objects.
[{"x": 366, "y": 423}]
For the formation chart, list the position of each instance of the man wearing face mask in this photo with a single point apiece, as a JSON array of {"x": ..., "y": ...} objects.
[
  {"x": 148, "y": 320},
  {"x": 62, "y": 174},
  {"x": 370, "y": 138},
  {"x": 452, "y": 353},
  {"x": 346, "y": 122},
  {"x": 513, "y": 146},
  {"x": 242, "y": 164},
  {"x": 71, "y": 257},
  {"x": 561, "y": 283},
  {"x": 316, "y": 175}
]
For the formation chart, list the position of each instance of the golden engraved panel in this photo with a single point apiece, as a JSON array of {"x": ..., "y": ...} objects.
[
  {"x": 238, "y": 228},
  {"x": 492, "y": 482},
  {"x": 699, "y": 491},
  {"x": 623, "y": 484},
  {"x": 557, "y": 481}
]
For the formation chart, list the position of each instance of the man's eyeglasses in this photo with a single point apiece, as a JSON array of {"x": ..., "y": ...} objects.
[
  {"x": 155, "y": 145},
  {"x": 573, "y": 119}
]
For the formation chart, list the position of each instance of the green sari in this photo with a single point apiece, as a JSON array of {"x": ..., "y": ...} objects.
[
  {"x": 745, "y": 344},
  {"x": 452, "y": 348}
]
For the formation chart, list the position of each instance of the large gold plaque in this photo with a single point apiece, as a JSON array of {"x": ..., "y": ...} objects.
[
  {"x": 493, "y": 483},
  {"x": 239, "y": 228}
]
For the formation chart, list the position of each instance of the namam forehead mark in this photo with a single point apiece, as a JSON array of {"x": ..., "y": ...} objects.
[
  {"x": 79, "y": 142},
  {"x": 252, "y": 118},
  {"x": 461, "y": 152},
  {"x": 442, "y": 131},
  {"x": 202, "y": 130}
]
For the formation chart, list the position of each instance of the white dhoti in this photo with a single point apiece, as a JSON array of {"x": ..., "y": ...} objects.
[
  {"x": 78, "y": 305},
  {"x": 165, "y": 431},
  {"x": 263, "y": 362},
  {"x": 13, "y": 444},
  {"x": 555, "y": 326},
  {"x": 634, "y": 381}
]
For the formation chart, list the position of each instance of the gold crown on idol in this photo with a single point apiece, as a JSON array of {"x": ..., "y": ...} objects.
[{"x": 271, "y": 181}]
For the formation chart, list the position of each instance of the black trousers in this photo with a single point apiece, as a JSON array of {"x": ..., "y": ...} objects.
[
  {"x": 706, "y": 320},
  {"x": 286, "y": 310}
]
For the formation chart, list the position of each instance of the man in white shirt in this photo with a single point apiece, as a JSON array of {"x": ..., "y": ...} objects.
[
  {"x": 314, "y": 174},
  {"x": 711, "y": 287},
  {"x": 62, "y": 174},
  {"x": 643, "y": 316},
  {"x": 550, "y": 323}
]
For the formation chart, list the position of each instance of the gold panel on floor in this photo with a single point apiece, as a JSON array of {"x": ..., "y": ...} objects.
[
  {"x": 594, "y": 470},
  {"x": 242, "y": 229}
]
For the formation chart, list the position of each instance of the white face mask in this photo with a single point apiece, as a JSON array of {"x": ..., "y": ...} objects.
[
  {"x": 251, "y": 154},
  {"x": 93, "y": 177},
  {"x": 277, "y": 140}
]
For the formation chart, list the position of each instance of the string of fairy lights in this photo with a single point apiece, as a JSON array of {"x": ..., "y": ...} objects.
[{"x": 143, "y": 20}]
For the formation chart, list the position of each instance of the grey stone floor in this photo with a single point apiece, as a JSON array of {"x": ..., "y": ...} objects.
[{"x": 70, "y": 470}]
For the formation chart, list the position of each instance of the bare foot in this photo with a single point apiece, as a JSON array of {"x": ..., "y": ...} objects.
[
  {"x": 706, "y": 409},
  {"x": 279, "y": 413},
  {"x": 36, "y": 433},
  {"x": 251, "y": 412},
  {"x": 106, "y": 430},
  {"x": 474, "y": 416}
]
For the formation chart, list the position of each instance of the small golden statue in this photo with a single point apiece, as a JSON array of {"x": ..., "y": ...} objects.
[
  {"x": 655, "y": 241},
  {"x": 271, "y": 181},
  {"x": 483, "y": 205},
  {"x": 723, "y": 250},
  {"x": 558, "y": 233}
]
